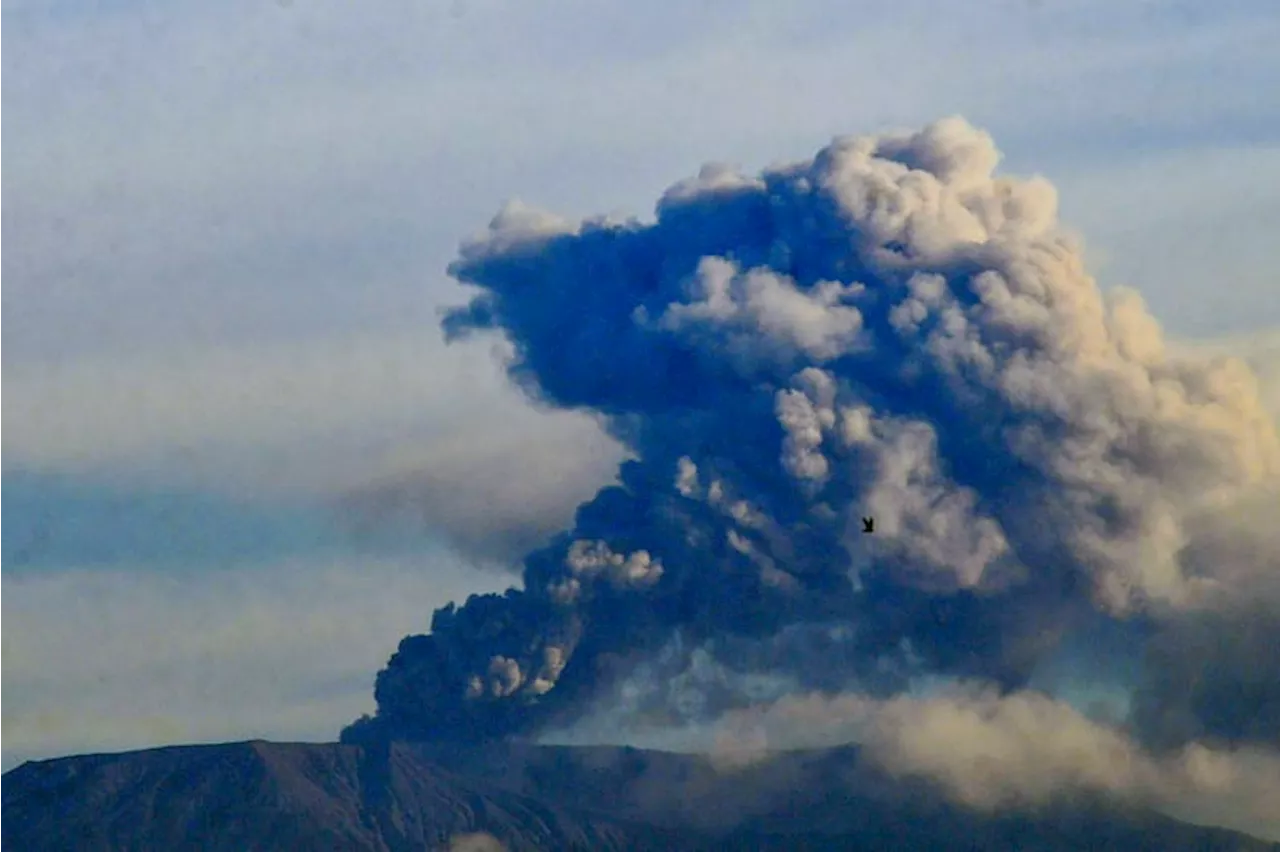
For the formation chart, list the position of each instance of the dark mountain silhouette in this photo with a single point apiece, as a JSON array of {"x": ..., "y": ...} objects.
[{"x": 402, "y": 796}]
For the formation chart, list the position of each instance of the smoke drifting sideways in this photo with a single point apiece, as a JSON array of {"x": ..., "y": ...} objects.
[{"x": 889, "y": 330}]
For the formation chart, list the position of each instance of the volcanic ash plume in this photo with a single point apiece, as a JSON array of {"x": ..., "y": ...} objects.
[{"x": 891, "y": 331}]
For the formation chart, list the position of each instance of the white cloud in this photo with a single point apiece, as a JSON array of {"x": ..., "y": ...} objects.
[{"x": 1021, "y": 750}]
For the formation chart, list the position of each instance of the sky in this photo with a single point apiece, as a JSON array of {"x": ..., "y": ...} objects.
[{"x": 226, "y": 228}]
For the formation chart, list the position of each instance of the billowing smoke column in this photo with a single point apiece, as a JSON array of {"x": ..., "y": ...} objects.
[{"x": 888, "y": 330}]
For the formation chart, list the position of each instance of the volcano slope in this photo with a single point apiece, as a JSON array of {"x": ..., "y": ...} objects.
[{"x": 416, "y": 796}]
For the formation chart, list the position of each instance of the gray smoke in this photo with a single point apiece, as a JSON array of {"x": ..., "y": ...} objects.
[{"x": 889, "y": 330}]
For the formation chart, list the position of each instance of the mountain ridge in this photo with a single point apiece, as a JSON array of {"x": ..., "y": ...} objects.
[{"x": 400, "y": 796}]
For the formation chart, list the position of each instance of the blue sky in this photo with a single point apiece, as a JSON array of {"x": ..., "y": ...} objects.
[{"x": 227, "y": 227}]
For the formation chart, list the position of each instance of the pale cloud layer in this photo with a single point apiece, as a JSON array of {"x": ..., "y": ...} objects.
[
  {"x": 1020, "y": 750},
  {"x": 110, "y": 660},
  {"x": 252, "y": 171},
  {"x": 325, "y": 415},
  {"x": 391, "y": 431}
]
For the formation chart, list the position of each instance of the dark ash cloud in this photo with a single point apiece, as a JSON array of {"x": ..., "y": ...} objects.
[{"x": 890, "y": 329}]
